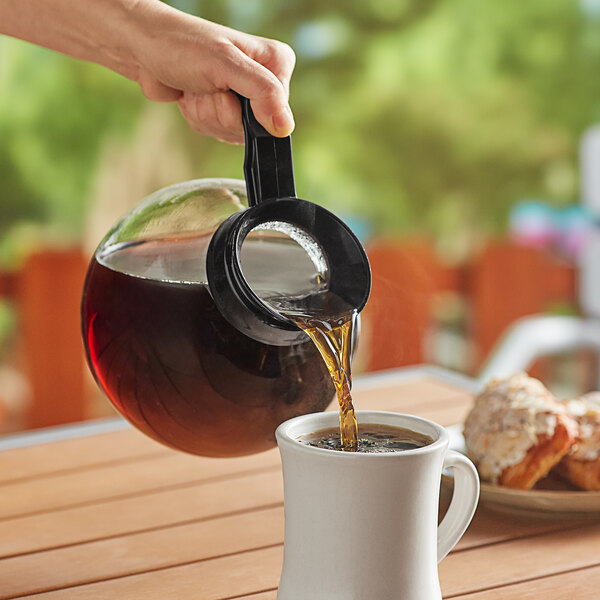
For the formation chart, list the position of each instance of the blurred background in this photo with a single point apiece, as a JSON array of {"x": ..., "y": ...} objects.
[{"x": 446, "y": 132}]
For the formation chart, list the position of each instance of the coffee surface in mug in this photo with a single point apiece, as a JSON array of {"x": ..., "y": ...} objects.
[{"x": 372, "y": 438}]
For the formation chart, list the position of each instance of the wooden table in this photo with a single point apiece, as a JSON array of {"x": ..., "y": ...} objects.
[{"x": 109, "y": 514}]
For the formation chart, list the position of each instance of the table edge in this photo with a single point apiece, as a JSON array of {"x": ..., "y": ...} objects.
[{"x": 111, "y": 424}]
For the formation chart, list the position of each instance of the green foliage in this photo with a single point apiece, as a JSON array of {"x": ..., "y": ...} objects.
[
  {"x": 7, "y": 321},
  {"x": 54, "y": 113},
  {"x": 416, "y": 116},
  {"x": 433, "y": 115}
]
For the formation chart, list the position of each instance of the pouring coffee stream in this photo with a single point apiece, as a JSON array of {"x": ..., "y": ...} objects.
[
  {"x": 192, "y": 306},
  {"x": 328, "y": 313},
  {"x": 331, "y": 330}
]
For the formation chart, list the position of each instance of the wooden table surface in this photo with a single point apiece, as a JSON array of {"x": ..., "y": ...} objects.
[{"x": 114, "y": 515}]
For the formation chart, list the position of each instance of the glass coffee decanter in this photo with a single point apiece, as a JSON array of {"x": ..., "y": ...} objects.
[{"x": 181, "y": 309}]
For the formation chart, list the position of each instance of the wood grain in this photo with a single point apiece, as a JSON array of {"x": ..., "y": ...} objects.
[
  {"x": 137, "y": 553},
  {"x": 226, "y": 577},
  {"x": 571, "y": 585},
  {"x": 250, "y": 572},
  {"x": 517, "y": 560},
  {"x": 489, "y": 527},
  {"x": 164, "y": 471},
  {"x": 139, "y": 513},
  {"x": 270, "y": 595},
  {"x": 117, "y": 516},
  {"x": 145, "y": 466},
  {"x": 77, "y": 453},
  {"x": 127, "y": 445}
]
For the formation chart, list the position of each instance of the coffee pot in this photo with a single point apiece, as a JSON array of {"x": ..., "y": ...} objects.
[{"x": 176, "y": 319}]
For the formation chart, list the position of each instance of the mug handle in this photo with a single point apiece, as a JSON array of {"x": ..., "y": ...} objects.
[{"x": 463, "y": 504}]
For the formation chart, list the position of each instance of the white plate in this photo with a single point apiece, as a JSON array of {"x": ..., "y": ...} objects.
[{"x": 544, "y": 502}]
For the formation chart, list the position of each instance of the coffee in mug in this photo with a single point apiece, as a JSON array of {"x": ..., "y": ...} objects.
[{"x": 372, "y": 438}]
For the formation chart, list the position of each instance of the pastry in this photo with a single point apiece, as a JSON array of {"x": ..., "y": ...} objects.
[
  {"x": 581, "y": 465},
  {"x": 517, "y": 431}
]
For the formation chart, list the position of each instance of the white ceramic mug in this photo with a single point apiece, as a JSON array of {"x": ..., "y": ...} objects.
[{"x": 364, "y": 526}]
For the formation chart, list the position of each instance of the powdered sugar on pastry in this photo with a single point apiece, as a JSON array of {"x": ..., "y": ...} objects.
[
  {"x": 586, "y": 411},
  {"x": 505, "y": 422}
]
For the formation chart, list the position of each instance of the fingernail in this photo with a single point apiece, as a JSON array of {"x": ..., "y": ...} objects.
[{"x": 283, "y": 122}]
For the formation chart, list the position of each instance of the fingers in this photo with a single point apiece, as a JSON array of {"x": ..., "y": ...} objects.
[
  {"x": 157, "y": 91},
  {"x": 283, "y": 64},
  {"x": 268, "y": 95},
  {"x": 204, "y": 62},
  {"x": 217, "y": 115},
  {"x": 269, "y": 65},
  {"x": 277, "y": 57},
  {"x": 216, "y": 111}
]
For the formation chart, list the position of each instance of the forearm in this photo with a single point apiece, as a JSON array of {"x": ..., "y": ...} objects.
[
  {"x": 173, "y": 56},
  {"x": 100, "y": 31}
]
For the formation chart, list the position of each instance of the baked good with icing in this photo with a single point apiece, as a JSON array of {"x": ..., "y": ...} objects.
[
  {"x": 517, "y": 431},
  {"x": 581, "y": 466}
]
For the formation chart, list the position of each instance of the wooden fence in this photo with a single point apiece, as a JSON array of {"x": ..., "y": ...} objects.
[
  {"x": 46, "y": 293},
  {"x": 500, "y": 284}
]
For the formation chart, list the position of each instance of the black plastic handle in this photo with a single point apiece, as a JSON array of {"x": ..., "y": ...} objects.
[
  {"x": 269, "y": 173},
  {"x": 268, "y": 164}
]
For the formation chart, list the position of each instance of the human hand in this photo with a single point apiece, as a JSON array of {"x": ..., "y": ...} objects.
[
  {"x": 174, "y": 56},
  {"x": 198, "y": 63}
]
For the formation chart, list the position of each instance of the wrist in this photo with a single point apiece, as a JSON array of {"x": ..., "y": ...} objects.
[
  {"x": 123, "y": 48},
  {"x": 151, "y": 29}
]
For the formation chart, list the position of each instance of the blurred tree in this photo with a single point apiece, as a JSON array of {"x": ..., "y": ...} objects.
[
  {"x": 430, "y": 116},
  {"x": 54, "y": 112},
  {"x": 433, "y": 116},
  {"x": 16, "y": 201}
]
